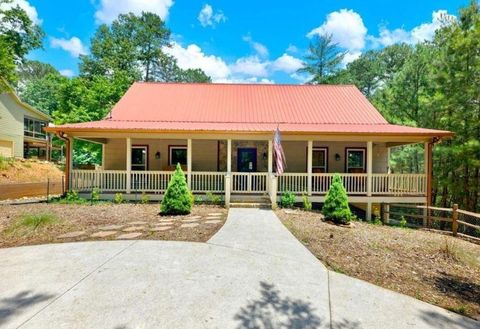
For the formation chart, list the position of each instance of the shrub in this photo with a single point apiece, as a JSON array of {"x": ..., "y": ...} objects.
[
  {"x": 307, "y": 205},
  {"x": 403, "y": 222},
  {"x": 118, "y": 198},
  {"x": 336, "y": 206},
  {"x": 377, "y": 221},
  {"x": 213, "y": 198},
  {"x": 5, "y": 162},
  {"x": 95, "y": 194},
  {"x": 72, "y": 196},
  {"x": 144, "y": 199},
  {"x": 287, "y": 200},
  {"x": 178, "y": 199},
  {"x": 29, "y": 223}
]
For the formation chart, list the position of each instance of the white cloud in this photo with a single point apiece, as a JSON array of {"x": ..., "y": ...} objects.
[
  {"x": 110, "y": 9},
  {"x": 292, "y": 49},
  {"x": 346, "y": 27},
  {"x": 25, "y": 5},
  {"x": 350, "y": 56},
  {"x": 67, "y": 73},
  {"x": 193, "y": 57},
  {"x": 207, "y": 17},
  {"x": 420, "y": 33},
  {"x": 287, "y": 63},
  {"x": 259, "y": 48},
  {"x": 251, "y": 65},
  {"x": 74, "y": 45}
]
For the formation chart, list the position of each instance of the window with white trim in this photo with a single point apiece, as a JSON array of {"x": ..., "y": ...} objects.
[{"x": 355, "y": 160}]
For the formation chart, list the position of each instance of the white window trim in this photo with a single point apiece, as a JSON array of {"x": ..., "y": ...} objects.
[
  {"x": 145, "y": 165},
  {"x": 170, "y": 157},
  {"x": 364, "y": 167}
]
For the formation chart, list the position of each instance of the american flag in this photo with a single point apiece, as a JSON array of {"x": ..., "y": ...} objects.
[{"x": 279, "y": 155}]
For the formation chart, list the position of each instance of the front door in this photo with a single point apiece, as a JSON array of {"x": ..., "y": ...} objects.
[
  {"x": 139, "y": 158},
  {"x": 247, "y": 160}
]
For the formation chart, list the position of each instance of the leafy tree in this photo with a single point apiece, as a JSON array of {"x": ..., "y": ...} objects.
[
  {"x": 178, "y": 199},
  {"x": 33, "y": 70},
  {"x": 18, "y": 35},
  {"x": 336, "y": 206},
  {"x": 323, "y": 59}
]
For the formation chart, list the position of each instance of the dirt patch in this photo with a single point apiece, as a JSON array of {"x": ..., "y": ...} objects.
[
  {"x": 435, "y": 268},
  {"x": 29, "y": 171},
  {"x": 92, "y": 219}
]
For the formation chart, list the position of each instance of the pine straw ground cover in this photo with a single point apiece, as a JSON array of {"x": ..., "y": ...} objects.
[
  {"x": 432, "y": 267},
  {"x": 39, "y": 223}
]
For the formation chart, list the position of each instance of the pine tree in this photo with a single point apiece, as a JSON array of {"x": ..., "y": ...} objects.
[
  {"x": 178, "y": 198},
  {"x": 336, "y": 206}
]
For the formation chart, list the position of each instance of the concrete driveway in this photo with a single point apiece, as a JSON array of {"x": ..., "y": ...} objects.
[{"x": 252, "y": 274}]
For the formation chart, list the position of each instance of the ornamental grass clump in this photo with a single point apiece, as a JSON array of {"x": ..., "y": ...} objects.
[
  {"x": 336, "y": 206},
  {"x": 178, "y": 198}
]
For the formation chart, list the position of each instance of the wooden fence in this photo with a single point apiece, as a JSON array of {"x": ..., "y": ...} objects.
[
  {"x": 457, "y": 221},
  {"x": 40, "y": 189}
]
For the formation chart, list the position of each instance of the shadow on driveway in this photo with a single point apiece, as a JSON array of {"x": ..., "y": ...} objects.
[
  {"x": 11, "y": 306},
  {"x": 272, "y": 310}
]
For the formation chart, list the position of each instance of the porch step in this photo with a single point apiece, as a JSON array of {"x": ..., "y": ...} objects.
[{"x": 261, "y": 205}]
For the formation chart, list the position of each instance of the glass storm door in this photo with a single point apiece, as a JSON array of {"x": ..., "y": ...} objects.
[
  {"x": 139, "y": 157},
  {"x": 247, "y": 160}
]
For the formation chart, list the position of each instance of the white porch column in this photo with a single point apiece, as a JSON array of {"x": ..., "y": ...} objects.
[
  {"x": 426, "y": 164},
  {"x": 189, "y": 163},
  {"x": 103, "y": 156},
  {"x": 129, "y": 164},
  {"x": 309, "y": 166},
  {"x": 229, "y": 156},
  {"x": 369, "y": 178},
  {"x": 69, "y": 164}
]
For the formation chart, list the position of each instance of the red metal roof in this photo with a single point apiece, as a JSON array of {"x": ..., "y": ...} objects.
[{"x": 244, "y": 108}]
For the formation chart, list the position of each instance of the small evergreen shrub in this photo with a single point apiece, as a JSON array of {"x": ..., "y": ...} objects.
[
  {"x": 307, "y": 205},
  {"x": 118, "y": 198},
  {"x": 287, "y": 200},
  {"x": 336, "y": 206},
  {"x": 95, "y": 194},
  {"x": 178, "y": 199},
  {"x": 403, "y": 222},
  {"x": 144, "y": 199},
  {"x": 213, "y": 198}
]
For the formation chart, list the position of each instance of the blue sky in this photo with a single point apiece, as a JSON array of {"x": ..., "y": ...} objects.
[{"x": 242, "y": 41}]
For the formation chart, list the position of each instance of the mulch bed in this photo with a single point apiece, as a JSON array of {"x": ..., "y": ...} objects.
[
  {"x": 435, "y": 268},
  {"x": 92, "y": 219}
]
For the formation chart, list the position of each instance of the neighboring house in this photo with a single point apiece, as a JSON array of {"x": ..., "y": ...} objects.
[
  {"x": 222, "y": 135},
  {"x": 22, "y": 132}
]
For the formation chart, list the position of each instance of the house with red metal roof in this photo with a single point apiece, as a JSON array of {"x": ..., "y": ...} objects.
[{"x": 222, "y": 134}]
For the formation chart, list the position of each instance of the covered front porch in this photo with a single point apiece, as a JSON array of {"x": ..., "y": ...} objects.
[{"x": 244, "y": 166}]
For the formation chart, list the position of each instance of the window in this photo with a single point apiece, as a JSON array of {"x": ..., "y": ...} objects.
[
  {"x": 139, "y": 157},
  {"x": 177, "y": 154},
  {"x": 319, "y": 160},
  {"x": 355, "y": 160},
  {"x": 34, "y": 128}
]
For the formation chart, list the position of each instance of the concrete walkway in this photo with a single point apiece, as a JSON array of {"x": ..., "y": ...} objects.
[{"x": 252, "y": 274}]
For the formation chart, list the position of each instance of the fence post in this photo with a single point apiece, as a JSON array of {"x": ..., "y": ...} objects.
[
  {"x": 48, "y": 188},
  {"x": 455, "y": 219},
  {"x": 227, "y": 190}
]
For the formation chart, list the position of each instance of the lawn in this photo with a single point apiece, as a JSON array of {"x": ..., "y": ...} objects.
[
  {"x": 432, "y": 267},
  {"x": 40, "y": 223}
]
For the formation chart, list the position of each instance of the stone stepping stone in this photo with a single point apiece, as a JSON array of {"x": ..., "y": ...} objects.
[
  {"x": 212, "y": 217},
  {"x": 137, "y": 223},
  {"x": 134, "y": 228},
  {"x": 164, "y": 224},
  {"x": 159, "y": 229},
  {"x": 215, "y": 214},
  {"x": 128, "y": 236},
  {"x": 103, "y": 234},
  {"x": 189, "y": 225},
  {"x": 71, "y": 235},
  {"x": 111, "y": 227},
  {"x": 194, "y": 217},
  {"x": 213, "y": 221},
  {"x": 190, "y": 220}
]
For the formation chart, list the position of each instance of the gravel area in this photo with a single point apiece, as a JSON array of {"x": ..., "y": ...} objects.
[
  {"x": 432, "y": 267},
  {"x": 94, "y": 222}
]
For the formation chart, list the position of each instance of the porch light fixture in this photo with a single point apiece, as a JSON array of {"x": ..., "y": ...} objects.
[
  {"x": 157, "y": 155},
  {"x": 337, "y": 157}
]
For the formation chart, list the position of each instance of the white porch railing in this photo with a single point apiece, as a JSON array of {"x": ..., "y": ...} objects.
[
  {"x": 254, "y": 183},
  {"x": 251, "y": 182}
]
